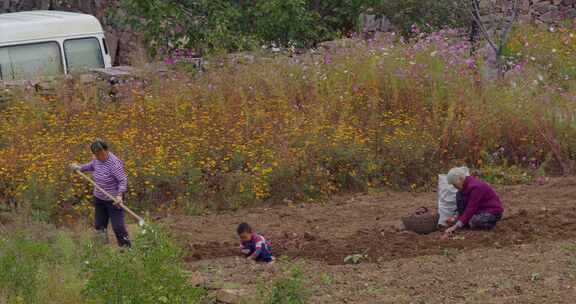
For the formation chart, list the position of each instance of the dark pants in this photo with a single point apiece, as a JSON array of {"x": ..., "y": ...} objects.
[
  {"x": 480, "y": 221},
  {"x": 105, "y": 212}
]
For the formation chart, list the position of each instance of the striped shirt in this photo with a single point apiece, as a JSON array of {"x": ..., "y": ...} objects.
[
  {"x": 257, "y": 248},
  {"x": 109, "y": 175}
]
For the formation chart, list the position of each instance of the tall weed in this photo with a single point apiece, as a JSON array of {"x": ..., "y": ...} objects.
[
  {"x": 289, "y": 289},
  {"x": 152, "y": 272},
  {"x": 365, "y": 114}
]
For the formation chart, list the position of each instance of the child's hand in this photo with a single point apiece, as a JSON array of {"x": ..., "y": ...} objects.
[
  {"x": 250, "y": 261},
  {"x": 245, "y": 251}
]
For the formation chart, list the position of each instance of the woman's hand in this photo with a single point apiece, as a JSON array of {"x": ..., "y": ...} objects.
[
  {"x": 449, "y": 232},
  {"x": 118, "y": 201},
  {"x": 451, "y": 221}
]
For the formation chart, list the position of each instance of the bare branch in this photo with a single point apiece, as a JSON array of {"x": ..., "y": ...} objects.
[
  {"x": 475, "y": 11},
  {"x": 506, "y": 31}
]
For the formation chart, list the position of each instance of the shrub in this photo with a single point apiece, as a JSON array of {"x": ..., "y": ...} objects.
[
  {"x": 549, "y": 50},
  {"x": 289, "y": 289},
  {"x": 413, "y": 16},
  {"x": 42, "y": 264},
  {"x": 151, "y": 272},
  {"x": 39, "y": 264},
  {"x": 506, "y": 175},
  {"x": 223, "y": 25}
]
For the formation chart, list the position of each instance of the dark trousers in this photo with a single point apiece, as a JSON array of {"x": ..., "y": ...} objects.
[
  {"x": 480, "y": 221},
  {"x": 106, "y": 212}
]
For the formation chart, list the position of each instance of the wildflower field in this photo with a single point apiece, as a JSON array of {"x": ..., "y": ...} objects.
[{"x": 365, "y": 115}]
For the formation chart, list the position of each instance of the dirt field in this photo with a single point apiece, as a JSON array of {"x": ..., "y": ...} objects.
[{"x": 525, "y": 260}]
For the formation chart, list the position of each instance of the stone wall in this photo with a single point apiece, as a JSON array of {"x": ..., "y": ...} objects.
[
  {"x": 120, "y": 40},
  {"x": 549, "y": 11}
]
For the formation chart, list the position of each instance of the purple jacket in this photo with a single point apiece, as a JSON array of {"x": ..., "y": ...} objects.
[
  {"x": 109, "y": 175},
  {"x": 480, "y": 198}
]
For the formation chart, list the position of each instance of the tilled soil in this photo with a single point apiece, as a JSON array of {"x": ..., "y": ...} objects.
[
  {"x": 385, "y": 244},
  {"x": 367, "y": 224},
  {"x": 529, "y": 258}
]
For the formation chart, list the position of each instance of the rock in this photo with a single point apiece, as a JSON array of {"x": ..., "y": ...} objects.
[
  {"x": 335, "y": 44},
  {"x": 197, "y": 279},
  {"x": 44, "y": 4},
  {"x": 309, "y": 237},
  {"x": 570, "y": 13},
  {"x": 375, "y": 23},
  {"x": 568, "y": 2},
  {"x": 550, "y": 16},
  {"x": 290, "y": 235},
  {"x": 231, "y": 296},
  {"x": 543, "y": 7},
  {"x": 87, "y": 78}
]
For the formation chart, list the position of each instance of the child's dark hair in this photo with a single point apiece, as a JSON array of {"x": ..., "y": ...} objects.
[{"x": 242, "y": 228}]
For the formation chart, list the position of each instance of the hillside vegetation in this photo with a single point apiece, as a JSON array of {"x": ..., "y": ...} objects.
[{"x": 366, "y": 115}]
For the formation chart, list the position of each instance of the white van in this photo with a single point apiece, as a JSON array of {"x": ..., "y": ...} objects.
[{"x": 36, "y": 44}]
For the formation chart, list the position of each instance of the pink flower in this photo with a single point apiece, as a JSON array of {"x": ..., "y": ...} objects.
[
  {"x": 471, "y": 62},
  {"x": 170, "y": 61},
  {"x": 327, "y": 59}
]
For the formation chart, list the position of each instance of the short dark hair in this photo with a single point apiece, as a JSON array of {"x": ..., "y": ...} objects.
[
  {"x": 98, "y": 145},
  {"x": 244, "y": 227}
]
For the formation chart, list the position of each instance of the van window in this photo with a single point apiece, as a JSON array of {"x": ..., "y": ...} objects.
[
  {"x": 28, "y": 61},
  {"x": 82, "y": 54}
]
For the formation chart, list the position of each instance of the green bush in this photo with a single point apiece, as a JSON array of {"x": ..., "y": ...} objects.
[
  {"x": 284, "y": 22},
  {"x": 41, "y": 200},
  {"x": 506, "y": 175},
  {"x": 289, "y": 289},
  {"x": 233, "y": 25},
  {"x": 42, "y": 264},
  {"x": 152, "y": 272},
  {"x": 39, "y": 264},
  {"x": 428, "y": 15}
]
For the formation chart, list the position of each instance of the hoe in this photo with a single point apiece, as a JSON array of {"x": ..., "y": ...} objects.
[{"x": 132, "y": 213}]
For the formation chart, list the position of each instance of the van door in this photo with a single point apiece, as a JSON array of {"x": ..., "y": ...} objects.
[{"x": 30, "y": 61}]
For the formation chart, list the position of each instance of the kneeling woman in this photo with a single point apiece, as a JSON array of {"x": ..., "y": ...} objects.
[{"x": 479, "y": 207}]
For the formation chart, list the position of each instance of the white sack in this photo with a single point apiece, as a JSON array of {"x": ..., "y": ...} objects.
[{"x": 447, "y": 199}]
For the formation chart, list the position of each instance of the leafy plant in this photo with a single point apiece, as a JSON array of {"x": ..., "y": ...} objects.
[
  {"x": 506, "y": 175},
  {"x": 327, "y": 279},
  {"x": 415, "y": 16},
  {"x": 290, "y": 289},
  {"x": 355, "y": 258},
  {"x": 39, "y": 264},
  {"x": 230, "y": 25},
  {"x": 151, "y": 272}
]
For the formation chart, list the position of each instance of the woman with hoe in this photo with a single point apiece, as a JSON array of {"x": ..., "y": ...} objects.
[{"x": 110, "y": 179}]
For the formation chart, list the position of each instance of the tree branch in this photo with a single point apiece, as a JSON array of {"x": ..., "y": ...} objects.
[
  {"x": 504, "y": 36},
  {"x": 475, "y": 11}
]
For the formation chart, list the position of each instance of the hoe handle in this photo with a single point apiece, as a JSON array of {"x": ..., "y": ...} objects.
[{"x": 132, "y": 213}]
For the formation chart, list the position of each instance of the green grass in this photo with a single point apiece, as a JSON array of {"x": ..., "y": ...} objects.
[
  {"x": 40, "y": 263},
  {"x": 291, "y": 288}
]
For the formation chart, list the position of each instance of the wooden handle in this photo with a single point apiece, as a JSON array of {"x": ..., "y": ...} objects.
[{"x": 132, "y": 213}]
